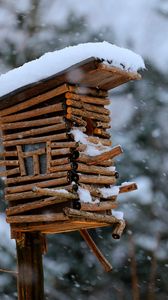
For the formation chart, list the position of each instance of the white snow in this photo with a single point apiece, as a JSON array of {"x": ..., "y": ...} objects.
[
  {"x": 57, "y": 61},
  {"x": 108, "y": 192},
  {"x": 84, "y": 195},
  {"x": 91, "y": 149},
  {"x": 117, "y": 214}
]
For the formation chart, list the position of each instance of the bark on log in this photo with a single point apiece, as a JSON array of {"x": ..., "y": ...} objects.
[
  {"x": 88, "y": 99},
  {"x": 83, "y": 168},
  {"x": 51, "y": 192},
  {"x": 87, "y": 114},
  {"x": 118, "y": 230},
  {"x": 50, "y": 217},
  {"x": 101, "y": 206}
]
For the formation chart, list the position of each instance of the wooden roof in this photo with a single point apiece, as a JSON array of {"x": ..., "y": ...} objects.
[{"x": 88, "y": 73}]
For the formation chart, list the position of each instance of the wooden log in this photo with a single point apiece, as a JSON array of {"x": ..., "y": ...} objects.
[
  {"x": 22, "y": 208},
  {"x": 34, "y": 101},
  {"x": 77, "y": 120},
  {"x": 60, "y": 161},
  {"x": 128, "y": 187},
  {"x": 53, "y": 192},
  {"x": 100, "y": 206},
  {"x": 36, "y": 164},
  {"x": 27, "y": 195},
  {"x": 12, "y": 171},
  {"x": 48, "y": 156},
  {"x": 84, "y": 159},
  {"x": 39, "y": 151},
  {"x": 33, "y": 132},
  {"x": 89, "y": 91},
  {"x": 87, "y": 114},
  {"x": 104, "y": 125},
  {"x": 34, "y": 113},
  {"x": 29, "y": 186},
  {"x": 94, "y": 191},
  {"x": 87, "y": 99},
  {"x": 60, "y": 168},
  {"x": 91, "y": 179},
  {"x": 9, "y": 163},
  {"x": 8, "y": 154},
  {"x": 35, "y": 178},
  {"x": 118, "y": 230},
  {"x": 101, "y": 132},
  {"x": 97, "y": 140},
  {"x": 21, "y": 160},
  {"x": 32, "y": 123},
  {"x": 86, "y": 236},
  {"x": 70, "y": 212},
  {"x": 105, "y": 155},
  {"x": 64, "y": 145},
  {"x": 63, "y": 151},
  {"x": 83, "y": 168},
  {"x": 36, "y": 140},
  {"x": 87, "y": 107},
  {"x": 50, "y": 217}
]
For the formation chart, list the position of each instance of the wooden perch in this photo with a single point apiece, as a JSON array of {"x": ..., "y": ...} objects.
[
  {"x": 118, "y": 229},
  {"x": 73, "y": 213},
  {"x": 86, "y": 236},
  {"x": 53, "y": 192}
]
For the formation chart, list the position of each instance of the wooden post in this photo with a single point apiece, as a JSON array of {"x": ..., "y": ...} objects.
[{"x": 30, "y": 282}]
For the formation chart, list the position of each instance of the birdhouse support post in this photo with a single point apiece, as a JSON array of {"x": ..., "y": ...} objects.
[{"x": 30, "y": 280}]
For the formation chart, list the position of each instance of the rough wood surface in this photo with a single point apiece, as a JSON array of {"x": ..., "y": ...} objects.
[
  {"x": 97, "y": 140},
  {"x": 128, "y": 187},
  {"x": 30, "y": 281},
  {"x": 118, "y": 229},
  {"x": 10, "y": 172},
  {"x": 86, "y": 90},
  {"x": 51, "y": 192},
  {"x": 33, "y": 132},
  {"x": 35, "y": 178},
  {"x": 86, "y": 236},
  {"x": 33, "y": 123},
  {"x": 63, "y": 145},
  {"x": 101, "y": 132},
  {"x": 77, "y": 120},
  {"x": 21, "y": 160},
  {"x": 87, "y": 114},
  {"x": 36, "y": 140},
  {"x": 9, "y": 163},
  {"x": 28, "y": 187},
  {"x": 34, "y": 113},
  {"x": 70, "y": 212},
  {"x": 105, "y": 155},
  {"x": 87, "y": 99},
  {"x": 27, "y": 195},
  {"x": 83, "y": 168},
  {"x": 50, "y": 217},
  {"x": 100, "y": 206},
  {"x": 84, "y": 159},
  {"x": 91, "y": 179},
  {"x": 87, "y": 107},
  {"x": 34, "y": 101}
]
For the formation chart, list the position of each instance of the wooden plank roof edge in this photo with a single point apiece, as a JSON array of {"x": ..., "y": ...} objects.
[
  {"x": 39, "y": 87},
  {"x": 90, "y": 63}
]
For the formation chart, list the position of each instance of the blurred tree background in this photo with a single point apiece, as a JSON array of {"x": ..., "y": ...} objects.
[{"x": 30, "y": 28}]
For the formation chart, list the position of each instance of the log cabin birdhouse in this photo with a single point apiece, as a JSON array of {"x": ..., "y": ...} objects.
[{"x": 57, "y": 158}]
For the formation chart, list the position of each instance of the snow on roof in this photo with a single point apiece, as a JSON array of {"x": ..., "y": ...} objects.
[{"x": 53, "y": 62}]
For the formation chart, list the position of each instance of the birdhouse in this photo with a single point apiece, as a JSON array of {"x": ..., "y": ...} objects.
[{"x": 57, "y": 158}]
